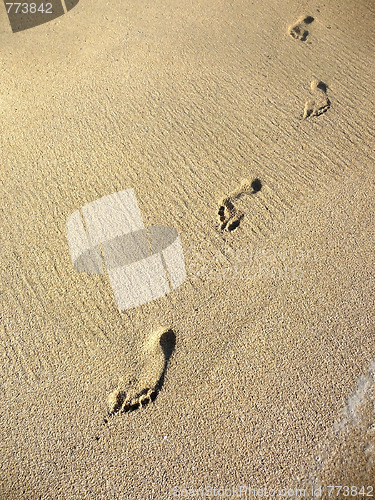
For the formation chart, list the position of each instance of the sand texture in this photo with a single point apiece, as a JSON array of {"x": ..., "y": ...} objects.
[{"x": 248, "y": 127}]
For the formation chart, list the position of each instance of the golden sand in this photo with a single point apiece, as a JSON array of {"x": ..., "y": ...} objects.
[{"x": 268, "y": 380}]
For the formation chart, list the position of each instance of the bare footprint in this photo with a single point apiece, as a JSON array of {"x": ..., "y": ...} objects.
[
  {"x": 320, "y": 104},
  {"x": 226, "y": 212},
  {"x": 229, "y": 216},
  {"x": 143, "y": 388},
  {"x": 298, "y": 30}
]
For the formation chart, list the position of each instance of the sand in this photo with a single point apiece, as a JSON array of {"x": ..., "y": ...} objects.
[{"x": 269, "y": 382}]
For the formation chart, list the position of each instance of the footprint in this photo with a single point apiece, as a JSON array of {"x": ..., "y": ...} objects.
[
  {"x": 142, "y": 389},
  {"x": 321, "y": 103},
  {"x": 226, "y": 212},
  {"x": 298, "y": 30},
  {"x": 229, "y": 216}
]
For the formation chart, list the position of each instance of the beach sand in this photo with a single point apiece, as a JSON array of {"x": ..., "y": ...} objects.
[{"x": 269, "y": 377}]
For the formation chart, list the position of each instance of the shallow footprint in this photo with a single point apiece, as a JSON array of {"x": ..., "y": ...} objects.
[
  {"x": 298, "y": 30},
  {"x": 321, "y": 103},
  {"x": 229, "y": 216},
  {"x": 142, "y": 389}
]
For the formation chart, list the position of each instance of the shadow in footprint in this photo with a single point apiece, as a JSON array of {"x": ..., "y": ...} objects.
[
  {"x": 308, "y": 19},
  {"x": 303, "y": 34},
  {"x": 167, "y": 343},
  {"x": 120, "y": 397},
  {"x": 256, "y": 185},
  {"x": 234, "y": 225},
  {"x": 221, "y": 212},
  {"x": 322, "y": 86}
]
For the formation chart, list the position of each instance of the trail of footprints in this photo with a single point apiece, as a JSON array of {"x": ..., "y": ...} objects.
[
  {"x": 143, "y": 387},
  {"x": 229, "y": 215},
  {"x": 320, "y": 103}
]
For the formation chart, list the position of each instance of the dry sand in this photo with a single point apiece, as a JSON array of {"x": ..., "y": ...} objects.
[{"x": 270, "y": 383}]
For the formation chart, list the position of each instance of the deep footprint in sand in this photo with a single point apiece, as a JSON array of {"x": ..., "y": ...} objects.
[
  {"x": 227, "y": 211},
  {"x": 320, "y": 104},
  {"x": 299, "y": 29},
  {"x": 143, "y": 388},
  {"x": 229, "y": 216}
]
